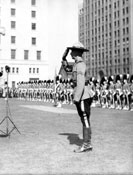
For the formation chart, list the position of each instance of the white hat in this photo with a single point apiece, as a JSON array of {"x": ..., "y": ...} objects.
[{"x": 78, "y": 46}]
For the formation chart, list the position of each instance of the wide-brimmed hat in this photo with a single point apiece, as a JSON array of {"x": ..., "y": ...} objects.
[{"x": 78, "y": 46}]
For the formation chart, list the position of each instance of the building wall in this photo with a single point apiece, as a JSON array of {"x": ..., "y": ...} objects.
[
  {"x": 108, "y": 36},
  {"x": 21, "y": 69},
  {"x": 81, "y": 23},
  {"x": 131, "y": 35}
]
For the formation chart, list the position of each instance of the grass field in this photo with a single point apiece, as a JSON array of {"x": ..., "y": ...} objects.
[{"x": 49, "y": 135}]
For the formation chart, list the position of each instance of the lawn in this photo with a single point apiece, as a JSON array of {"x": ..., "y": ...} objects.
[{"x": 49, "y": 135}]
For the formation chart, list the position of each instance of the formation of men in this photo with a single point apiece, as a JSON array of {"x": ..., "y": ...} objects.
[
  {"x": 112, "y": 92},
  {"x": 58, "y": 92}
]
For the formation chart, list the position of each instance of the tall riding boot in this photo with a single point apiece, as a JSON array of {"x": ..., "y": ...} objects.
[{"x": 86, "y": 146}]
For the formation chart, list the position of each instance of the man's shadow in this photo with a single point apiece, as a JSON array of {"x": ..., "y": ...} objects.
[{"x": 73, "y": 138}]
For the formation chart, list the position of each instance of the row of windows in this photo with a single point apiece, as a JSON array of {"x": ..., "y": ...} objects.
[
  {"x": 103, "y": 3},
  {"x": 102, "y": 12},
  {"x": 12, "y": 70},
  {"x": 13, "y": 40},
  {"x": 108, "y": 52},
  {"x": 15, "y": 70},
  {"x": 110, "y": 71},
  {"x": 34, "y": 70},
  {"x": 99, "y": 22},
  {"x": 26, "y": 54},
  {"x": 108, "y": 55},
  {"x": 33, "y": 2},
  {"x": 116, "y": 61},
  {"x": 125, "y": 11},
  {"x": 13, "y": 25},
  {"x": 108, "y": 28},
  {"x": 13, "y": 13},
  {"x": 102, "y": 43}
]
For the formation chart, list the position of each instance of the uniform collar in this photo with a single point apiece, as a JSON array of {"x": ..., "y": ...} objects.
[{"x": 78, "y": 59}]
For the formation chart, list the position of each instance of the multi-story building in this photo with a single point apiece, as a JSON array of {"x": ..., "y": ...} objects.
[
  {"x": 106, "y": 29},
  {"x": 23, "y": 47}
]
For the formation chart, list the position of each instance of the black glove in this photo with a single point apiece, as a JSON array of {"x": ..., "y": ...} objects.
[
  {"x": 65, "y": 54},
  {"x": 64, "y": 63}
]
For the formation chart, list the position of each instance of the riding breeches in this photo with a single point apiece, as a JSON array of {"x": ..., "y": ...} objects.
[{"x": 84, "y": 110}]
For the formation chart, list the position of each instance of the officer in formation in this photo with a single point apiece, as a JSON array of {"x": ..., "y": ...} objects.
[
  {"x": 114, "y": 92},
  {"x": 57, "y": 91},
  {"x": 82, "y": 94}
]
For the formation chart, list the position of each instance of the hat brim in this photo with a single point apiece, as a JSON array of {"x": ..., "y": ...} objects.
[{"x": 80, "y": 49}]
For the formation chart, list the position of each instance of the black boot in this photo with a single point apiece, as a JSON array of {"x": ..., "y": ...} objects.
[{"x": 86, "y": 146}]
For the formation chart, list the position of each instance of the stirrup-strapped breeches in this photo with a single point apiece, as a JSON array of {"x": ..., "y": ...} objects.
[{"x": 83, "y": 108}]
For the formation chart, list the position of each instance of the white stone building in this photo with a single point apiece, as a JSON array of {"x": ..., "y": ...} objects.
[{"x": 24, "y": 46}]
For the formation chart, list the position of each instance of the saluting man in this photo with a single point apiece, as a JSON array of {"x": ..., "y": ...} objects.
[{"x": 82, "y": 95}]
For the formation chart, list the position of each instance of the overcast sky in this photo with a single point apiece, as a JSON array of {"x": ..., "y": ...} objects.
[{"x": 62, "y": 29}]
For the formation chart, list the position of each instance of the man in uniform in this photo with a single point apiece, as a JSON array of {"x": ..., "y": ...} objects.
[
  {"x": 118, "y": 92},
  {"x": 131, "y": 94},
  {"x": 111, "y": 91},
  {"x": 126, "y": 92},
  {"x": 82, "y": 97}
]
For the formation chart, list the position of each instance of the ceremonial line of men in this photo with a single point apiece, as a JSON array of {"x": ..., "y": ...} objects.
[
  {"x": 112, "y": 92},
  {"x": 58, "y": 92}
]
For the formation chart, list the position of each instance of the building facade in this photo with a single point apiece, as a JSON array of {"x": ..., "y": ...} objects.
[
  {"x": 106, "y": 29},
  {"x": 23, "y": 47}
]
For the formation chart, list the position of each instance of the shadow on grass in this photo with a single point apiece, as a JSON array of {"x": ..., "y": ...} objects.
[
  {"x": 3, "y": 135},
  {"x": 73, "y": 138}
]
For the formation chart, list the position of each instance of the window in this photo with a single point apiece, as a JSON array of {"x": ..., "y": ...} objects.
[
  {"x": 37, "y": 70},
  {"x": 123, "y": 11},
  {"x": 33, "y": 14},
  {"x": 26, "y": 54},
  {"x": 123, "y": 31},
  {"x": 33, "y": 41},
  {"x": 12, "y": 1},
  {"x": 13, "y": 39},
  {"x": 33, "y": 70},
  {"x": 128, "y": 70},
  {"x": 118, "y": 13},
  {"x": 33, "y": 26},
  {"x": 13, "y": 53},
  {"x": 13, "y": 12},
  {"x": 17, "y": 70},
  {"x": 33, "y": 2},
  {"x": 127, "y": 30},
  {"x": 29, "y": 70},
  {"x": 127, "y": 60},
  {"x": 13, "y": 24},
  {"x": 123, "y": 21},
  {"x": 38, "y": 55},
  {"x": 13, "y": 69},
  {"x": 115, "y": 5},
  {"x": 115, "y": 14},
  {"x": 127, "y": 10},
  {"x": 127, "y": 20},
  {"x": 2, "y": 69},
  {"x": 118, "y": 3}
]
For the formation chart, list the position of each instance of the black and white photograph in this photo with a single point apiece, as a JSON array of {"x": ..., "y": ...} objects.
[{"x": 66, "y": 87}]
